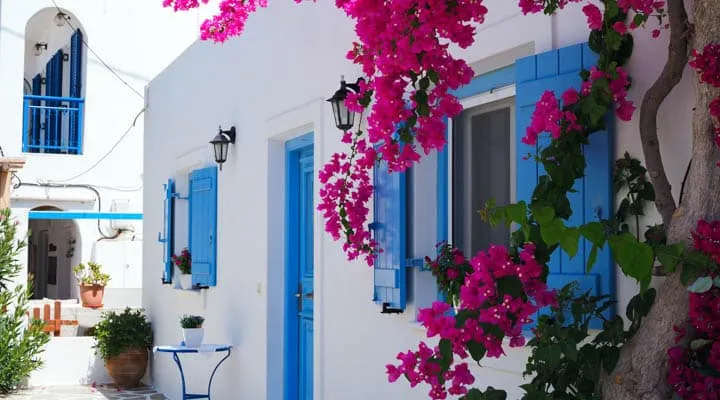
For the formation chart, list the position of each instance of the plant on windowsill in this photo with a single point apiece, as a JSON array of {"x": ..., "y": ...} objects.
[
  {"x": 183, "y": 262},
  {"x": 122, "y": 341},
  {"x": 449, "y": 269},
  {"x": 192, "y": 329},
  {"x": 92, "y": 282}
]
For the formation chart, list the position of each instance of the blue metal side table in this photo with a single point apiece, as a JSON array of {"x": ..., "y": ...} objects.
[{"x": 205, "y": 348}]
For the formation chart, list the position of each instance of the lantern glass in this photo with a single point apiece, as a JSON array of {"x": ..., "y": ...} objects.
[{"x": 221, "y": 145}]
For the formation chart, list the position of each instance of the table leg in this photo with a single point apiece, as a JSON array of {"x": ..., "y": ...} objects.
[
  {"x": 213, "y": 373},
  {"x": 182, "y": 374}
]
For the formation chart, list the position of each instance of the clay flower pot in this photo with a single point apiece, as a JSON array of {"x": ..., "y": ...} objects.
[
  {"x": 92, "y": 295},
  {"x": 128, "y": 368}
]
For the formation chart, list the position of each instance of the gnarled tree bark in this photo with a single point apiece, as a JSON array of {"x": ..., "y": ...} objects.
[{"x": 642, "y": 369}]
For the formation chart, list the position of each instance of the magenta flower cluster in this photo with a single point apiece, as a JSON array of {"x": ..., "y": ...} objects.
[
  {"x": 694, "y": 366},
  {"x": 552, "y": 117},
  {"x": 496, "y": 315},
  {"x": 707, "y": 65}
]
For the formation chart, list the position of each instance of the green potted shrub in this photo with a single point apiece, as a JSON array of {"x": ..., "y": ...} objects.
[
  {"x": 92, "y": 282},
  {"x": 123, "y": 341},
  {"x": 183, "y": 262},
  {"x": 192, "y": 329}
]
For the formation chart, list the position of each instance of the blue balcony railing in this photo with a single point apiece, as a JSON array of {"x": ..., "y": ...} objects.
[{"x": 53, "y": 124}]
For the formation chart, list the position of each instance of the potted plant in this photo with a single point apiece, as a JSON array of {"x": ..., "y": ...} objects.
[
  {"x": 192, "y": 329},
  {"x": 184, "y": 263},
  {"x": 123, "y": 341},
  {"x": 92, "y": 283},
  {"x": 449, "y": 269}
]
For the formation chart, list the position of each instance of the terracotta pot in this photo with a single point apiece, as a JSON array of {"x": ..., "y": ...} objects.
[
  {"x": 92, "y": 295},
  {"x": 128, "y": 368}
]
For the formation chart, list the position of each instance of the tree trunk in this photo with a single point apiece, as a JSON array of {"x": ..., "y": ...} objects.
[{"x": 642, "y": 369}]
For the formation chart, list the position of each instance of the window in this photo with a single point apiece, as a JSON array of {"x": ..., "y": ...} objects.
[{"x": 482, "y": 162}]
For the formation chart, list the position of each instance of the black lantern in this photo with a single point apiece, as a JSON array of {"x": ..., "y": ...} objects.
[
  {"x": 344, "y": 118},
  {"x": 221, "y": 144}
]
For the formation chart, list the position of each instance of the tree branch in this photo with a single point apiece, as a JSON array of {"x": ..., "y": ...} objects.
[{"x": 654, "y": 97}]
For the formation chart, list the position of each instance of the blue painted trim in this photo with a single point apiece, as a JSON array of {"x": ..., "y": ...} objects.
[
  {"x": 83, "y": 215},
  {"x": 487, "y": 82},
  {"x": 291, "y": 333}
]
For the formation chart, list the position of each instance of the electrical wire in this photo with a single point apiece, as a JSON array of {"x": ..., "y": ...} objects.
[
  {"x": 106, "y": 65},
  {"x": 88, "y": 187},
  {"x": 114, "y": 146}
]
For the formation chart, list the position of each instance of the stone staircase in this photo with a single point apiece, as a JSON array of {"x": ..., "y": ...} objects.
[{"x": 72, "y": 310}]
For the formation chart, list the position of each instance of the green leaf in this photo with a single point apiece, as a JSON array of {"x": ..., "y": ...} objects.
[
  {"x": 701, "y": 285},
  {"x": 509, "y": 285},
  {"x": 570, "y": 349},
  {"x": 543, "y": 214},
  {"x": 424, "y": 83},
  {"x": 494, "y": 394},
  {"x": 670, "y": 255},
  {"x": 477, "y": 350},
  {"x": 698, "y": 343},
  {"x": 554, "y": 353},
  {"x": 433, "y": 75},
  {"x": 517, "y": 212},
  {"x": 592, "y": 257},
  {"x": 594, "y": 232},
  {"x": 695, "y": 264},
  {"x": 552, "y": 231},
  {"x": 635, "y": 258},
  {"x": 569, "y": 241},
  {"x": 716, "y": 281},
  {"x": 446, "y": 353}
]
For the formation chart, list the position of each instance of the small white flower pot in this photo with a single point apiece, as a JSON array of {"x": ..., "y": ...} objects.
[
  {"x": 193, "y": 337},
  {"x": 185, "y": 281}
]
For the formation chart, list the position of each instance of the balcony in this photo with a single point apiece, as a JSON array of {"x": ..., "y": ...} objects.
[{"x": 52, "y": 124}]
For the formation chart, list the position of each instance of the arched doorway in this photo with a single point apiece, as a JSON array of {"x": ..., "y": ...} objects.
[{"x": 53, "y": 249}]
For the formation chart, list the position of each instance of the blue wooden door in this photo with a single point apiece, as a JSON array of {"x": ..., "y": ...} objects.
[{"x": 300, "y": 282}]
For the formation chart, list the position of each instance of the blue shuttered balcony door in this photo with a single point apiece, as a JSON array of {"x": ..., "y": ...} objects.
[
  {"x": 76, "y": 65},
  {"x": 389, "y": 231},
  {"x": 558, "y": 70}
]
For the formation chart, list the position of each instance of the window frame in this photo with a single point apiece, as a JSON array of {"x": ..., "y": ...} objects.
[{"x": 491, "y": 100}]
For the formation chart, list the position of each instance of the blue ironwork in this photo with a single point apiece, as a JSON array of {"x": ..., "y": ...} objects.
[
  {"x": 175, "y": 350},
  {"x": 53, "y": 111},
  {"x": 83, "y": 215}
]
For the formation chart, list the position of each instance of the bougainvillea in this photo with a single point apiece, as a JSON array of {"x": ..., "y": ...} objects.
[
  {"x": 694, "y": 365},
  {"x": 498, "y": 298},
  {"x": 707, "y": 65}
]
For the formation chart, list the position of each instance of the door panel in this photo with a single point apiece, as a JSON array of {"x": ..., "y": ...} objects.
[{"x": 300, "y": 272}]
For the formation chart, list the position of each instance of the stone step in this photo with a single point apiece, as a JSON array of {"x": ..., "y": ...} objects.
[{"x": 73, "y": 311}]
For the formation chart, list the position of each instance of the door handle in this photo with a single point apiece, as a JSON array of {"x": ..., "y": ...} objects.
[{"x": 309, "y": 295}]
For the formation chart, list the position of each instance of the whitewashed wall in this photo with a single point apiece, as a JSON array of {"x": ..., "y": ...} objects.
[
  {"x": 137, "y": 39},
  {"x": 271, "y": 84}
]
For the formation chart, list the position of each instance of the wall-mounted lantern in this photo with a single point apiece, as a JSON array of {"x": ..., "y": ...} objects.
[
  {"x": 61, "y": 18},
  {"x": 39, "y": 48},
  {"x": 221, "y": 144},
  {"x": 344, "y": 117}
]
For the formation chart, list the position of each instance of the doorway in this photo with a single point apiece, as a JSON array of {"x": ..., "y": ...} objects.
[
  {"x": 52, "y": 252},
  {"x": 299, "y": 293}
]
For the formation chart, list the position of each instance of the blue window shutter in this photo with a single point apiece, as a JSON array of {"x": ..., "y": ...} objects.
[
  {"x": 558, "y": 70},
  {"x": 203, "y": 226},
  {"x": 389, "y": 228},
  {"x": 76, "y": 57},
  {"x": 53, "y": 123},
  {"x": 169, "y": 240},
  {"x": 34, "y": 139}
]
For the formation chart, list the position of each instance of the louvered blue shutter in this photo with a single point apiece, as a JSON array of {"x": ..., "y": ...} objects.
[
  {"x": 389, "y": 230},
  {"x": 53, "y": 124},
  {"x": 169, "y": 221},
  {"x": 203, "y": 226},
  {"x": 34, "y": 139},
  {"x": 558, "y": 70},
  {"x": 76, "y": 56}
]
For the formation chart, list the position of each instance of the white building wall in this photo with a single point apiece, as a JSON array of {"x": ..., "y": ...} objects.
[
  {"x": 271, "y": 85},
  {"x": 136, "y": 39}
]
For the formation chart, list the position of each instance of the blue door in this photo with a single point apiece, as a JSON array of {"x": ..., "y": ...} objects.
[{"x": 299, "y": 256}]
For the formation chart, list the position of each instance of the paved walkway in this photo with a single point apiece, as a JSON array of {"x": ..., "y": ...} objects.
[{"x": 100, "y": 392}]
